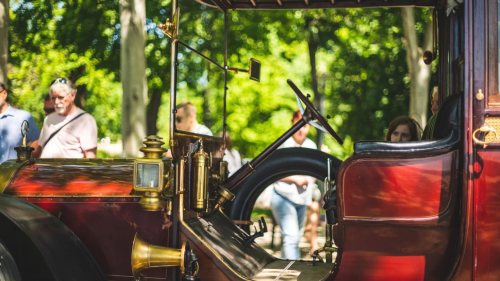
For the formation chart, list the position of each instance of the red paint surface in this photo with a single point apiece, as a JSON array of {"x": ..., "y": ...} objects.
[
  {"x": 397, "y": 188},
  {"x": 72, "y": 177},
  {"x": 108, "y": 229},
  {"x": 381, "y": 268},
  {"x": 487, "y": 185},
  {"x": 391, "y": 252}
]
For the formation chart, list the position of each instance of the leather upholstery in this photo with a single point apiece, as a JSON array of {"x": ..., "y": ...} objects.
[{"x": 446, "y": 135}]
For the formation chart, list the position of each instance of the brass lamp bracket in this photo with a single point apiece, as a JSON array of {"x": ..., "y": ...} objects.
[{"x": 171, "y": 29}]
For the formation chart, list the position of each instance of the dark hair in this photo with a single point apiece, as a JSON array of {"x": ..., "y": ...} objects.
[
  {"x": 47, "y": 97},
  {"x": 296, "y": 114},
  {"x": 413, "y": 126}
]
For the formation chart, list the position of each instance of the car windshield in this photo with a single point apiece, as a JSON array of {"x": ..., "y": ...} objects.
[
  {"x": 200, "y": 75},
  {"x": 352, "y": 62}
]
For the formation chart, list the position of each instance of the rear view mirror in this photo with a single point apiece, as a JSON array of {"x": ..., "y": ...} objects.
[{"x": 254, "y": 70}]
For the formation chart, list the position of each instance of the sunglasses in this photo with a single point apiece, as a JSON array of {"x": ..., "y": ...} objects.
[
  {"x": 178, "y": 119},
  {"x": 59, "y": 80},
  {"x": 48, "y": 110}
]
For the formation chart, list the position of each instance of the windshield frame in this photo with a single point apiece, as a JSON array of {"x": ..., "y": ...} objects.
[{"x": 179, "y": 138}]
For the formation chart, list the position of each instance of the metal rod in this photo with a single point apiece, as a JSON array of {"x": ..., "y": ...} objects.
[
  {"x": 173, "y": 89},
  {"x": 236, "y": 70},
  {"x": 247, "y": 169},
  {"x": 226, "y": 28},
  {"x": 200, "y": 54}
]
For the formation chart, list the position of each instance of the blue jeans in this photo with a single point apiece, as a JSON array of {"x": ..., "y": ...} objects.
[{"x": 291, "y": 219}]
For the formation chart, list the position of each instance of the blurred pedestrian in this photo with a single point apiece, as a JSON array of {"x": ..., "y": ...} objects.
[
  {"x": 10, "y": 127},
  {"x": 232, "y": 156},
  {"x": 48, "y": 105},
  {"x": 70, "y": 132},
  {"x": 429, "y": 128},
  {"x": 185, "y": 119},
  {"x": 291, "y": 197}
]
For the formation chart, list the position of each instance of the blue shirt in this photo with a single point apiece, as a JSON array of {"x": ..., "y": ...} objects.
[{"x": 10, "y": 132}]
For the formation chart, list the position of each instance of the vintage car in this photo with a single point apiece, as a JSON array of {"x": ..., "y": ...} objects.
[{"x": 422, "y": 210}]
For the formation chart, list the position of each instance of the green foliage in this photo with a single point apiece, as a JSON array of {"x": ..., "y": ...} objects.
[
  {"x": 361, "y": 65},
  {"x": 38, "y": 56}
]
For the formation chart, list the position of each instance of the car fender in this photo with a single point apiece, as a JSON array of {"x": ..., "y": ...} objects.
[{"x": 42, "y": 245}]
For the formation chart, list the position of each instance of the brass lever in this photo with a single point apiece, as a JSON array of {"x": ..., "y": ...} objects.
[{"x": 485, "y": 129}]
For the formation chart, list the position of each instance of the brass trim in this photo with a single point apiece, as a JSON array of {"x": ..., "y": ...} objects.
[
  {"x": 251, "y": 167},
  {"x": 130, "y": 276},
  {"x": 494, "y": 123},
  {"x": 161, "y": 174},
  {"x": 8, "y": 170},
  {"x": 243, "y": 222},
  {"x": 76, "y": 196}
]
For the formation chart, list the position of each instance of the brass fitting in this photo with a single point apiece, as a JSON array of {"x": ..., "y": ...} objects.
[
  {"x": 24, "y": 151},
  {"x": 151, "y": 173},
  {"x": 200, "y": 179}
]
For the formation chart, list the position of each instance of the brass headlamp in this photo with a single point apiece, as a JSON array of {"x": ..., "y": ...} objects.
[{"x": 151, "y": 174}]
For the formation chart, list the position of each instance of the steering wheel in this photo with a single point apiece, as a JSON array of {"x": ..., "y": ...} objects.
[{"x": 323, "y": 124}]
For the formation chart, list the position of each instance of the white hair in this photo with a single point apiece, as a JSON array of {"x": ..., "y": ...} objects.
[{"x": 68, "y": 87}]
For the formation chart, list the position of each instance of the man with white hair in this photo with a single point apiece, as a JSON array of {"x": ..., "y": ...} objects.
[{"x": 71, "y": 132}]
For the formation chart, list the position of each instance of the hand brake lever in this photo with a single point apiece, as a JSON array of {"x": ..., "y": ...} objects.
[{"x": 260, "y": 233}]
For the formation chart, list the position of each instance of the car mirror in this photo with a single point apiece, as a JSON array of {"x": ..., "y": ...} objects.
[{"x": 254, "y": 70}]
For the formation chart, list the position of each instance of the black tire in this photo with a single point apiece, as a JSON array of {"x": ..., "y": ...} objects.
[
  {"x": 8, "y": 268},
  {"x": 282, "y": 163}
]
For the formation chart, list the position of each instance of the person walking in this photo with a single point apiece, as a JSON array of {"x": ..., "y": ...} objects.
[
  {"x": 291, "y": 196},
  {"x": 70, "y": 132},
  {"x": 10, "y": 127}
]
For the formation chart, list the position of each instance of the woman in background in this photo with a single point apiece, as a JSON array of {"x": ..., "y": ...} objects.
[{"x": 403, "y": 129}]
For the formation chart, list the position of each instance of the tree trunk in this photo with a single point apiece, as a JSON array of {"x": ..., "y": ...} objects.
[
  {"x": 133, "y": 75},
  {"x": 419, "y": 72},
  {"x": 4, "y": 40},
  {"x": 81, "y": 90},
  {"x": 153, "y": 109}
]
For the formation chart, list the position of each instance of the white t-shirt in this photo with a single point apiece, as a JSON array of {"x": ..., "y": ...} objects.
[
  {"x": 301, "y": 195},
  {"x": 202, "y": 130},
  {"x": 233, "y": 159},
  {"x": 72, "y": 140}
]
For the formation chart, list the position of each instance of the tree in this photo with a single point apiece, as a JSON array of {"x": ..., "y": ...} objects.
[
  {"x": 4, "y": 43},
  {"x": 133, "y": 75},
  {"x": 419, "y": 72}
]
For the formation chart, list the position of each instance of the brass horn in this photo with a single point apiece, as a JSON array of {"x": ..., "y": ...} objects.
[{"x": 145, "y": 255}]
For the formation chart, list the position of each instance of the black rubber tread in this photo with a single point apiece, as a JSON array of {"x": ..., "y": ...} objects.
[
  {"x": 8, "y": 267},
  {"x": 283, "y": 162}
]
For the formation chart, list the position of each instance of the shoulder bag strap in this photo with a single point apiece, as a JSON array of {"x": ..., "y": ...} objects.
[{"x": 55, "y": 133}]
